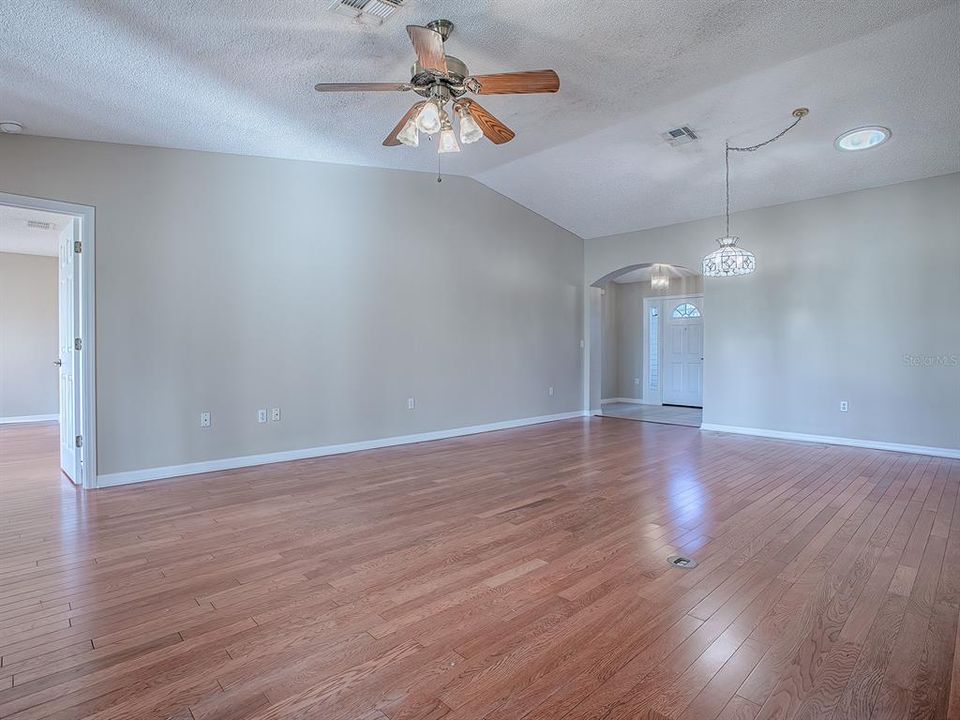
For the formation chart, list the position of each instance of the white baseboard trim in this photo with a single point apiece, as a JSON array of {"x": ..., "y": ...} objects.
[
  {"x": 172, "y": 471},
  {"x": 27, "y": 419},
  {"x": 636, "y": 401},
  {"x": 829, "y": 440}
]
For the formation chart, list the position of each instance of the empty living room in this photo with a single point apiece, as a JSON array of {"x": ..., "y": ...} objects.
[{"x": 447, "y": 360}]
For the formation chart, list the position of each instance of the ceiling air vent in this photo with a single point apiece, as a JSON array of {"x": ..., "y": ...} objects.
[
  {"x": 679, "y": 136},
  {"x": 375, "y": 12},
  {"x": 39, "y": 225}
]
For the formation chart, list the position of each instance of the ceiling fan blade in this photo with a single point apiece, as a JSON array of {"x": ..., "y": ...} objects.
[
  {"x": 391, "y": 139},
  {"x": 515, "y": 83},
  {"x": 429, "y": 46},
  {"x": 495, "y": 131},
  {"x": 360, "y": 87}
]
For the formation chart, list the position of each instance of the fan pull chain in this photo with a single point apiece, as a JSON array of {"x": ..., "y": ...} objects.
[{"x": 439, "y": 177}]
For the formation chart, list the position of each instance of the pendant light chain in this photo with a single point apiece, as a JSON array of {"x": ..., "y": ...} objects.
[
  {"x": 799, "y": 114},
  {"x": 726, "y": 157}
]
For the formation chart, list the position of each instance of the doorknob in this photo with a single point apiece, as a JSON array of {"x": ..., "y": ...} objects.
[{"x": 58, "y": 362}]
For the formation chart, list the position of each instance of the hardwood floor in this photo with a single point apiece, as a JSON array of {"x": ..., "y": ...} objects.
[{"x": 518, "y": 574}]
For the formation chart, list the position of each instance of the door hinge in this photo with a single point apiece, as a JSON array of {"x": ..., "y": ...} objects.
[
  {"x": 77, "y": 344},
  {"x": 79, "y": 440},
  {"x": 77, "y": 246}
]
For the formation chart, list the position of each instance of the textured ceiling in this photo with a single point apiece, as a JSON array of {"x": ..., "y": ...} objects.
[
  {"x": 18, "y": 237},
  {"x": 237, "y": 75}
]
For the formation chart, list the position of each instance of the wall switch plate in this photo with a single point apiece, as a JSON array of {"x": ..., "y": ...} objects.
[
  {"x": 275, "y": 415},
  {"x": 262, "y": 415},
  {"x": 550, "y": 390},
  {"x": 844, "y": 406},
  {"x": 411, "y": 403},
  {"x": 205, "y": 419}
]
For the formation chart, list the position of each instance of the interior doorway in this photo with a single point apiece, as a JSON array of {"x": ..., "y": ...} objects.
[
  {"x": 651, "y": 322},
  {"x": 47, "y": 371}
]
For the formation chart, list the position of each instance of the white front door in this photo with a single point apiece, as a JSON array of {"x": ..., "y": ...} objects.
[
  {"x": 69, "y": 358},
  {"x": 683, "y": 352}
]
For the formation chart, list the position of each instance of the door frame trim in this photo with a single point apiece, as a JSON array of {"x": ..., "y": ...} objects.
[
  {"x": 649, "y": 396},
  {"x": 87, "y": 412}
]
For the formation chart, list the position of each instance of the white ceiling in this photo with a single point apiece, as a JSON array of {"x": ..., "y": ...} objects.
[
  {"x": 237, "y": 75},
  {"x": 18, "y": 237}
]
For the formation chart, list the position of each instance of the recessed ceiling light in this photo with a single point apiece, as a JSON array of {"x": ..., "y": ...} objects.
[
  {"x": 11, "y": 127},
  {"x": 862, "y": 138}
]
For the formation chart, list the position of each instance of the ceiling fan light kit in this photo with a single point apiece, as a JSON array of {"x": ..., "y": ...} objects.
[
  {"x": 428, "y": 119},
  {"x": 470, "y": 130},
  {"x": 448, "y": 140},
  {"x": 410, "y": 135},
  {"x": 729, "y": 260},
  {"x": 443, "y": 79}
]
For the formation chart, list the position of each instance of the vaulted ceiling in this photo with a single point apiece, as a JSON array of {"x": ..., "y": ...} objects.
[{"x": 236, "y": 76}]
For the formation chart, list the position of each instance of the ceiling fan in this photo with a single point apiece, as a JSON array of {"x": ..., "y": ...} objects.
[{"x": 443, "y": 79}]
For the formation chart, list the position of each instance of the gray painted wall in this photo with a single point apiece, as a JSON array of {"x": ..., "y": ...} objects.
[
  {"x": 610, "y": 337},
  {"x": 855, "y": 297},
  {"x": 229, "y": 283},
  {"x": 29, "y": 382}
]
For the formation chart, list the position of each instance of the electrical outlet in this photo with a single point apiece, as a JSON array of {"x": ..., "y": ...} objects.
[
  {"x": 275, "y": 415},
  {"x": 636, "y": 381},
  {"x": 550, "y": 391},
  {"x": 262, "y": 415},
  {"x": 411, "y": 403},
  {"x": 205, "y": 419},
  {"x": 844, "y": 406}
]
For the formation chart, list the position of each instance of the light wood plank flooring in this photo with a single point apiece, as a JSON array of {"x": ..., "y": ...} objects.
[{"x": 518, "y": 574}]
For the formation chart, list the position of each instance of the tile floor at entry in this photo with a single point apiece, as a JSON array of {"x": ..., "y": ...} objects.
[{"x": 667, "y": 414}]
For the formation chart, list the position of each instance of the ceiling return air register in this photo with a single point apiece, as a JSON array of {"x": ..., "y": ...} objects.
[
  {"x": 679, "y": 136},
  {"x": 374, "y": 12}
]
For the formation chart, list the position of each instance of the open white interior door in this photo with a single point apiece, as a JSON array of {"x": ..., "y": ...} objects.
[{"x": 69, "y": 360}]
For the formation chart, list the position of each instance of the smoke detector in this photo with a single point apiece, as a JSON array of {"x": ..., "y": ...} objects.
[
  {"x": 373, "y": 12},
  {"x": 13, "y": 128},
  {"x": 679, "y": 136}
]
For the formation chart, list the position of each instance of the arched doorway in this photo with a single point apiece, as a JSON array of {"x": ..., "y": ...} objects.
[{"x": 649, "y": 344}]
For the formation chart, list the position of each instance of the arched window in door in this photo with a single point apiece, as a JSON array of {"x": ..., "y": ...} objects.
[{"x": 685, "y": 310}]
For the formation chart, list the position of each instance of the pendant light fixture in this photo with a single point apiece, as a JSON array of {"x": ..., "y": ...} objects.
[
  {"x": 659, "y": 279},
  {"x": 729, "y": 260}
]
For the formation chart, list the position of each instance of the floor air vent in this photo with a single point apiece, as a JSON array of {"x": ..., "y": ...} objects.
[{"x": 681, "y": 562}]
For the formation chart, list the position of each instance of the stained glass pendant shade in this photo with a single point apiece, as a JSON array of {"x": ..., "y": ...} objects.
[{"x": 729, "y": 260}]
